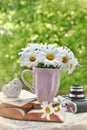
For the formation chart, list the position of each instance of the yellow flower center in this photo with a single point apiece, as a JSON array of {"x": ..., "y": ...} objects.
[
  {"x": 47, "y": 109},
  {"x": 71, "y": 66},
  {"x": 64, "y": 59},
  {"x": 32, "y": 58},
  {"x": 58, "y": 109},
  {"x": 55, "y": 104},
  {"x": 50, "y": 56}
]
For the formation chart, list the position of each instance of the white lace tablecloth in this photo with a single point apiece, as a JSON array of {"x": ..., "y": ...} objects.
[{"x": 72, "y": 122}]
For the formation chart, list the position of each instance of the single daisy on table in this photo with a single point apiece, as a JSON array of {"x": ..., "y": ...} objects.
[
  {"x": 57, "y": 109},
  {"x": 47, "y": 110}
]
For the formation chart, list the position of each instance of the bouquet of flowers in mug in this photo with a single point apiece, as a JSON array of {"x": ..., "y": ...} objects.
[{"x": 48, "y": 56}]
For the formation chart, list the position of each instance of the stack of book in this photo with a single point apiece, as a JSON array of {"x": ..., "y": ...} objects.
[{"x": 26, "y": 107}]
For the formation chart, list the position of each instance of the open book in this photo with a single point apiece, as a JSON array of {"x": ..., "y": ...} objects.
[{"x": 26, "y": 107}]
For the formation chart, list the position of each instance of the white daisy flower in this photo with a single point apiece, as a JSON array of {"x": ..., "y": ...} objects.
[
  {"x": 57, "y": 109},
  {"x": 50, "y": 57},
  {"x": 29, "y": 58},
  {"x": 47, "y": 110},
  {"x": 65, "y": 50},
  {"x": 36, "y": 46},
  {"x": 24, "y": 51},
  {"x": 71, "y": 65},
  {"x": 65, "y": 56},
  {"x": 50, "y": 46}
]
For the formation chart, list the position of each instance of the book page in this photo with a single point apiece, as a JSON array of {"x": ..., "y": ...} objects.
[{"x": 24, "y": 98}]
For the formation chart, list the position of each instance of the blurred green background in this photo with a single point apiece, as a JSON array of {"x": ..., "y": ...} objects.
[{"x": 63, "y": 22}]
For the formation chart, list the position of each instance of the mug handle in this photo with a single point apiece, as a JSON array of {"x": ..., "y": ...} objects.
[{"x": 29, "y": 85}]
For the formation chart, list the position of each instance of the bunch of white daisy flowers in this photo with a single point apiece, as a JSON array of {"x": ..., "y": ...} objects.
[{"x": 48, "y": 56}]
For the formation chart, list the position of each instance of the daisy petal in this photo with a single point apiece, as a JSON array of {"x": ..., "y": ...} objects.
[
  {"x": 48, "y": 117},
  {"x": 43, "y": 115}
]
